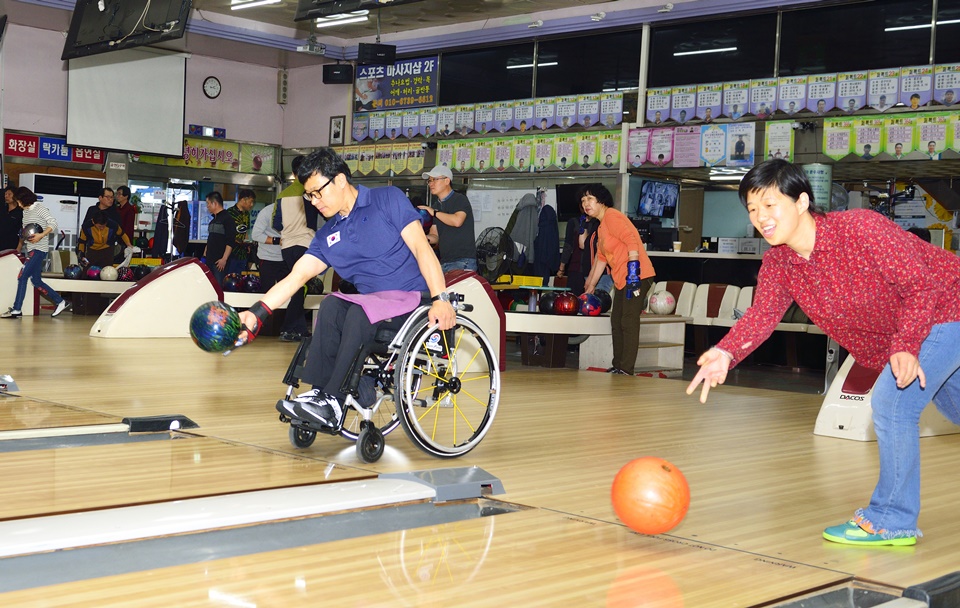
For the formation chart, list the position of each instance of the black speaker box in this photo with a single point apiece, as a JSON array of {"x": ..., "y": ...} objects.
[
  {"x": 339, "y": 73},
  {"x": 376, "y": 54}
]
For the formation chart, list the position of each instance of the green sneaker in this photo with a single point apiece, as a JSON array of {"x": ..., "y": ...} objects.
[{"x": 852, "y": 534}]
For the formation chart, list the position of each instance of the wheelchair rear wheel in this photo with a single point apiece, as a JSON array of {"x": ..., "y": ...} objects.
[{"x": 447, "y": 387}]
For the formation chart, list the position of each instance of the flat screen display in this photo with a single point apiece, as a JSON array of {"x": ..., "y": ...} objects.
[
  {"x": 568, "y": 204},
  {"x": 658, "y": 198},
  {"x": 99, "y": 26}
]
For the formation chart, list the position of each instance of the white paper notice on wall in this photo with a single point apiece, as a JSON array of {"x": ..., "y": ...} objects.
[{"x": 727, "y": 245}]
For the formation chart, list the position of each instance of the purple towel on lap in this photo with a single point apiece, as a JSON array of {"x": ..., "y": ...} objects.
[{"x": 383, "y": 304}]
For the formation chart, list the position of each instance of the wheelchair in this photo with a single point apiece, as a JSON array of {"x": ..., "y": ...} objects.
[{"x": 444, "y": 385}]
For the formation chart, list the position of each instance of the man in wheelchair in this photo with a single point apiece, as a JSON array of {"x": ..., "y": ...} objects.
[{"x": 375, "y": 240}]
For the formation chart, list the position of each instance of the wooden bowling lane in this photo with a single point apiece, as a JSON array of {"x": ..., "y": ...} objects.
[
  {"x": 24, "y": 413},
  {"x": 48, "y": 482},
  {"x": 528, "y": 558}
]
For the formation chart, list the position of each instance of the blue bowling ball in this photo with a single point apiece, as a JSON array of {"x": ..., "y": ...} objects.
[{"x": 215, "y": 327}]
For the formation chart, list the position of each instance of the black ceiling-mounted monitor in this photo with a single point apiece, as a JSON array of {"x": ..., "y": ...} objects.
[
  {"x": 99, "y": 26},
  {"x": 311, "y": 9}
]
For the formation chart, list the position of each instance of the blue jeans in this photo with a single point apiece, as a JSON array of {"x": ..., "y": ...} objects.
[
  {"x": 460, "y": 264},
  {"x": 31, "y": 271},
  {"x": 895, "y": 504}
]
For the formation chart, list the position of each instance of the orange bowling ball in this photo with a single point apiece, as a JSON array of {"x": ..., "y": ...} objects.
[{"x": 650, "y": 495}]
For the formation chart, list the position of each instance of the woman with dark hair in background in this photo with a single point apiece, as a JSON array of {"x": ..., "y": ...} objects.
[
  {"x": 890, "y": 299},
  {"x": 571, "y": 258},
  {"x": 620, "y": 248},
  {"x": 11, "y": 221}
]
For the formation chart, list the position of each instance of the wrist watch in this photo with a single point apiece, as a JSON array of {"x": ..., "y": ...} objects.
[{"x": 441, "y": 297}]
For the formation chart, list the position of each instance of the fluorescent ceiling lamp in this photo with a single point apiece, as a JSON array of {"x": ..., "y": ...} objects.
[
  {"x": 727, "y": 177},
  {"x": 328, "y": 22},
  {"x": 530, "y": 65},
  {"x": 703, "y": 52},
  {"x": 900, "y": 28},
  {"x": 238, "y": 5}
]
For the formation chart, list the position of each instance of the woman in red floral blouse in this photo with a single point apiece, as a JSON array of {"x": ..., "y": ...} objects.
[{"x": 889, "y": 298}]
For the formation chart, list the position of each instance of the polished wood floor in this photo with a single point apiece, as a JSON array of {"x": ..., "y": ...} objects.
[{"x": 763, "y": 486}]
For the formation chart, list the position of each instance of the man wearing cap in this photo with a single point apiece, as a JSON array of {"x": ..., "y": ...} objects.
[{"x": 452, "y": 229}]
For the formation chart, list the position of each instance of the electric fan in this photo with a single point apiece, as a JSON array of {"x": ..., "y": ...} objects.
[{"x": 494, "y": 253}]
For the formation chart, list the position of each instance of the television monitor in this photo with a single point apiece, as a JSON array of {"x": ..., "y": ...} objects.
[
  {"x": 568, "y": 204},
  {"x": 99, "y": 26},
  {"x": 658, "y": 198}
]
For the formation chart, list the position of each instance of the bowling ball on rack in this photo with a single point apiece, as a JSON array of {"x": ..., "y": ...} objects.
[
  {"x": 30, "y": 230},
  {"x": 215, "y": 327},
  {"x": 566, "y": 304},
  {"x": 650, "y": 495},
  {"x": 73, "y": 271},
  {"x": 606, "y": 300},
  {"x": 315, "y": 287},
  {"x": 93, "y": 272},
  {"x": 546, "y": 302},
  {"x": 141, "y": 271},
  {"x": 142, "y": 242},
  {"x": 125, "y": 273},
  {"x": 662, "y": 303},
  {"x": 108, "y": 273},
  {"x": 589, "y": 305},
  {"x": 252, "y": 284},
  {"x": 233, "y": 282}
]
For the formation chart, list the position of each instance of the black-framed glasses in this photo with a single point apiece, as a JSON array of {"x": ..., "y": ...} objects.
[{"x": 318, "y": 193}]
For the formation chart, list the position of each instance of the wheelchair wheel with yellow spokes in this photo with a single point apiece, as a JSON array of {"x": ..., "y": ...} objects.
[{"x": 447, "y": 387}]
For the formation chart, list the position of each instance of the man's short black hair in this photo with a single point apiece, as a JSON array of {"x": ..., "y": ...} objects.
[
  {"x": 783, "y": 175},
  {"x": 215, "y": 197},
  {"x": 105, "y": 190},
  {"x": 296, "y": 162},
  {"x": 123, "y": 191},
  {"x": 246, "y": 193},
  {"x": 99, "y": 217},
  {"x": 598, "y": 191},
  {"x": 323, "y": 161}
]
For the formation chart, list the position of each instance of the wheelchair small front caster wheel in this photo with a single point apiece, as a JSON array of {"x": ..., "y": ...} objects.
[
  {"x": 370, "y": 443},
  {"x": 301, "y": 437}
]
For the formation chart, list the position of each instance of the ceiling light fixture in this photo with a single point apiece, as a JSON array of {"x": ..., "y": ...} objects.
[
  {"x": 598, "y": 17},
  {"x": 727, "y": 49},
  {"x": 340, "y": 20},
  {"x": 901, "y": 28},
  {"x": 666, "y": 8},
  {"x": 545, "y": 64},
  {"x": 720, "y": 177},
  {"x": 536, "y": 24},
  {"x": 234, "y": 6}
]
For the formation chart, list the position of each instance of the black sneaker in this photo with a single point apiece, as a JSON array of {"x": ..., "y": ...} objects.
[
  {"x": 289, "y": 336},
  {"x": 620, "y": 372},
  {"x": 317, "y": 406},
  {"x": 612, "y": 370}
]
